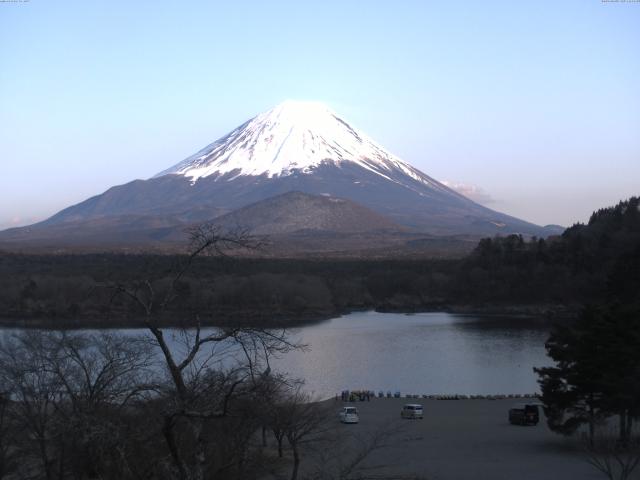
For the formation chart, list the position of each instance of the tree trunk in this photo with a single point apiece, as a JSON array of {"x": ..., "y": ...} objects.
[
  {"x": 279, "y": 446},
  {"x": 176, "y": 373},
  {"x": 296, "y": 462},
  {"x": 167, "y": 430},
  {"x": 46, "y": 463},
  {"x": 624, "y": 434},
  {"x": 264, "y": 436},
  {"x": 242, "y": 461},
  {"x": 200, "y": 453},
  {"x": 592, "y": 425},
  {"x": 61, "y": 461}
]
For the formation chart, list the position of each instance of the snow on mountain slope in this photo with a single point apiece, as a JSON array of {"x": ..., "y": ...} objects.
[
  {"x": 294, "y": 136},
  {"x": 296, "y": 146}
]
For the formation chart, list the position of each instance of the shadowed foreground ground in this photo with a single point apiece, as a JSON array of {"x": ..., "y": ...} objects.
[{"x": 467, "y": 439}]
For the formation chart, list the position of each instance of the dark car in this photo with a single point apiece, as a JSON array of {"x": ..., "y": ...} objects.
[{"x": 524, "y": 414}]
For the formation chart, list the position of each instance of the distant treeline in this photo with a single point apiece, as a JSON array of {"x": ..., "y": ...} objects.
[{"x": 502, "y": 273}]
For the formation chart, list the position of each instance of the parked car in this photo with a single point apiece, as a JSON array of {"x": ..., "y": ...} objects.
[
  {"x": 524, "y": 414},
  {"x": 411, "y": 410},
  {"x": 349, "y": 415}
]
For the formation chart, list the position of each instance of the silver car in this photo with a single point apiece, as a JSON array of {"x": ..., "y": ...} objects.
[
  {"x": 349, "y": 415},
  {"x": 412, "y": 410}
]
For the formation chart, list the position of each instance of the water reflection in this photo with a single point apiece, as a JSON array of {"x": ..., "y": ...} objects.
[
  {"x": 427, "y": 353},
  {"x": 421, "y": 353}
]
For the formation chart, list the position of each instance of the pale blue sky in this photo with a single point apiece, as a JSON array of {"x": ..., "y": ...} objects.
[{"x": 536, "y": 103}]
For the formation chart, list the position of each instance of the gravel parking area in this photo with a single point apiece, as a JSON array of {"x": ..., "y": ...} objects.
[{"x": 467, "y": 439}]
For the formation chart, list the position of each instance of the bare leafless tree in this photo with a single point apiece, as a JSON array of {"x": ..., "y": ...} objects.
[
  {"x": 61, "y": 389},
  {"x": 8, "y": 454},
  {"x": 614, "y": 459},
  {"x": 214, "y": 365},
  {"x": 299, "y": 419},
  {"x": 34, "y": 390}
]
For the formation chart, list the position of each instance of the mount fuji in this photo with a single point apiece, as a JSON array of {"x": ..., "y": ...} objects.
[
  {"x": 294, "y": 147},
  {"x": 294, "y": 137}
]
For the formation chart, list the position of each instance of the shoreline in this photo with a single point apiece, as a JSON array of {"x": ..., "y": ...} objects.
[
  {"x": 543, "y": 313},
  {"x": 444, "y": 397}
]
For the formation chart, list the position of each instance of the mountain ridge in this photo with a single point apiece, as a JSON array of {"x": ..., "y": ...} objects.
[
  {"x": 294, "y": 212},
  {"x": 296, "y": 146}
]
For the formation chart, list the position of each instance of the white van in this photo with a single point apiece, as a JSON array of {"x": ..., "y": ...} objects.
[
  {"x": 349, "y": 415},
  {"x": 411, "y": 410}
]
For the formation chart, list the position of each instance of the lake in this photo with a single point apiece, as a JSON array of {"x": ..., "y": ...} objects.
[{"x": 423, "y": 353}]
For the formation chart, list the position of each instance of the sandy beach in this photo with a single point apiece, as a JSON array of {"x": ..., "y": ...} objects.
[{"x": 467, "y": 439}]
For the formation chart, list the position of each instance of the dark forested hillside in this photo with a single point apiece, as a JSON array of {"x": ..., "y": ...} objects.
[
  {"x": 571, "y": 268},
  {"x": 502, "y": 274}
]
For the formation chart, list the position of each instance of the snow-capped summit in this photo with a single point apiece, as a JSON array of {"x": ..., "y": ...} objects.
[{"x": 294, "y": 136}]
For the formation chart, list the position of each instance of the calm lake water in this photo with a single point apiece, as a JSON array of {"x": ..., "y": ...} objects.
[{"x": 425, "y": 353}]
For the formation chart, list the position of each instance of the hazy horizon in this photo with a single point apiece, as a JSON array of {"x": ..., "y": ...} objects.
[{"x": 531, "y": 109}]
